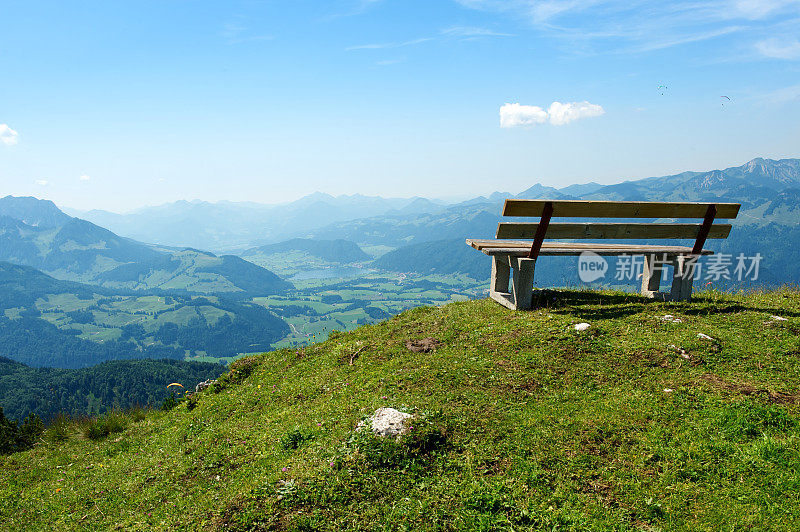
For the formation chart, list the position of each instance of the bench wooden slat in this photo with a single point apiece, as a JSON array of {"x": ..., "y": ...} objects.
[
  {"x": 521, "y": 248},
  {"x": 610, "y": 230},
  {"x": 617, "y": 209}
]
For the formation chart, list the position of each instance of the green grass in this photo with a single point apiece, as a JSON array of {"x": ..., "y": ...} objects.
[
  {"x": 522, "y": 423},
  {"x": 102, "y": 426}
]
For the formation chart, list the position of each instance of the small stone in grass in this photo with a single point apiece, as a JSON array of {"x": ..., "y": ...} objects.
[
  {"x": 582, "y": 326},
  {"x": 779, "y": 318},
  {"x": 387, "y": 422},
  {"x": 668, "y": 390},
  {"x": 704, "y": 336}
]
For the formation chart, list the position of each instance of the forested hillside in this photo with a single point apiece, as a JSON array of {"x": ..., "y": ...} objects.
[
  {"x": 438, "y": 256},
  {"x": 120, "y": 384},
  {"x": 340, "y": 250}
]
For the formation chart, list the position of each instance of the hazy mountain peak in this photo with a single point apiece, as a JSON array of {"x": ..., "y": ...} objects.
[
  {"x": 580, "y": 189},
  {"x": 33, "y": 211},
  {"x": 315, "y": 197},
  {"x": 539, "y": 191}
]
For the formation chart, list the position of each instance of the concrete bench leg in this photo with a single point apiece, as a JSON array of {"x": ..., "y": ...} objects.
[
  {"x": 651, "y": 275},
  {"x": 520, "y": 272},
  {"x": 501, "y": 273},
  {"x": 683, "y": 278},
  {"x": 522, "y": 284}
]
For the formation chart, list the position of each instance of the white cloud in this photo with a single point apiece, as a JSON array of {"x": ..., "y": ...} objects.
[
  {"x": 236, "y": 34},
  {"x": 558, "y": 114},
  {"x": 85, "y": 177},
  {"x": 8, "y": 136},
  {"x": 564, "y": 113},
  {"x": 779, "y": 48},
  {"x": 514, "y": 115},
  {"x": 758, "y": 9},
  {"x": 42, "y": 182}
]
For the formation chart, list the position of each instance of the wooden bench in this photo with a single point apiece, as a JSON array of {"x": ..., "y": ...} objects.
[{"x": 515, "y": 260}]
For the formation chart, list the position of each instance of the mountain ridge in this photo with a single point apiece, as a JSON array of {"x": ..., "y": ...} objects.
[{"x": 78, "y": 250}]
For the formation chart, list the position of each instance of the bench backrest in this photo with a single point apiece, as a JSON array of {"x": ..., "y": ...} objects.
[{"x": 547, "y": 209}]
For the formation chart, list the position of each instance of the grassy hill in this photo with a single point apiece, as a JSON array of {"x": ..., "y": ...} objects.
[{"x": 522, "y": 423}]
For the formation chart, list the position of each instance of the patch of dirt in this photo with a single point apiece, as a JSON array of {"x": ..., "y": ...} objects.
[
  {"x": 529, "y": 386},
  {"x": 349, "y": 357},
  {"x": 748, "y": 389},
  {"x": 425, "y": 345},
  {"x": 495, "y": 466}
]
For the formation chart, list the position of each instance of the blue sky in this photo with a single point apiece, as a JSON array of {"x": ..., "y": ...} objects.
[{"x": 115, "y": 105}]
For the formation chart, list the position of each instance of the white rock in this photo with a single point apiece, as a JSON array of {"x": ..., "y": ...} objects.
[
  {"x": 668, "y": 390},
  {"x": 779, "y": 318},
  {"x": 582, "y": 326},
  {"x": 681, "y": 351},
  {"x": 387, "y": 422},
  {"x": 205, "y": 384},
  {"x": 671, "y": 318},
  {"x": 704, "y": 336}
]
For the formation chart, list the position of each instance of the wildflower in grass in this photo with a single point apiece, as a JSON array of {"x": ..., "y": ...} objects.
[{"x": 284, "y": 469}]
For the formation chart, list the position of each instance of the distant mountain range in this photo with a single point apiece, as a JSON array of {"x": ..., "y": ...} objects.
[
  {"x": 768, "y": 190},
  {"x": 227, "y": 226},
  {"x": 768, "y": 223},
  {"x": 36, "y": 233}
]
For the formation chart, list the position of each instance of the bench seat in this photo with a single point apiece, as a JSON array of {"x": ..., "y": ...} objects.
[{"x": 521, "y": 248}]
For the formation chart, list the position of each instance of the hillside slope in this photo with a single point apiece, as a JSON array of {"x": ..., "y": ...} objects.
[
  {"x": 438, "y": 256},
  {"x": 522, "y": 422}
]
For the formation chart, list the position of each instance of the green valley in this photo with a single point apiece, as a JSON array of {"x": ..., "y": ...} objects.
[{"x": 47, "y": 322}]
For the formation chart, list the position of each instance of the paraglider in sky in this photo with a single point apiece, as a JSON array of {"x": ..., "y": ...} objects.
[
  {"x": 662, "y": 89},
  {"x": 174, "y": 384},
  {"x": 725, "y": 98}
]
